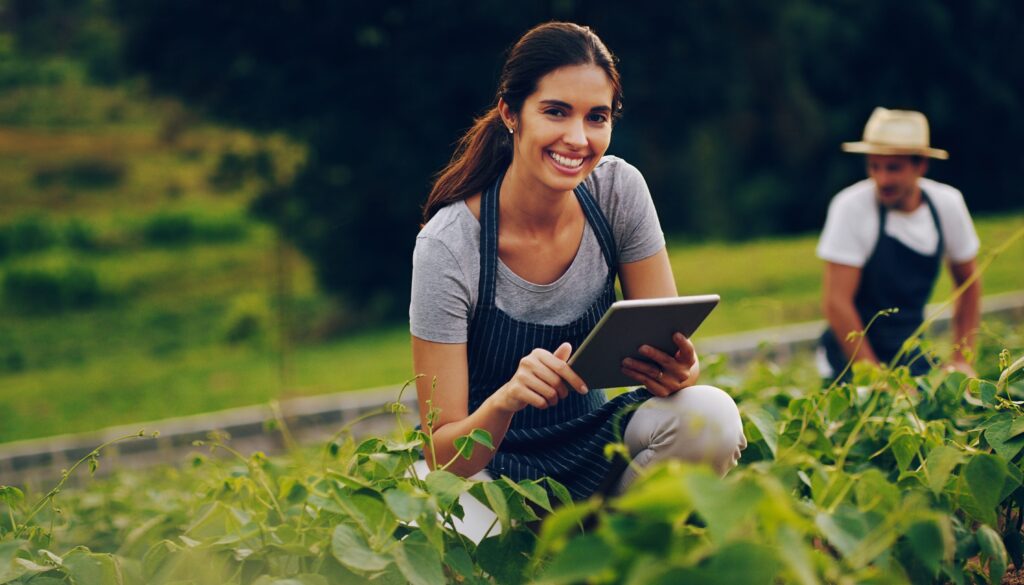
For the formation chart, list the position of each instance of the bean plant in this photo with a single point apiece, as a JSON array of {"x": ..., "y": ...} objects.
[{"x": 885, "y": 479}]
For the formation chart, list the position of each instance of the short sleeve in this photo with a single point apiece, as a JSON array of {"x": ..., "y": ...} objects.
[
  {"x": 634, "y": 219},
  {"x": 440, "y": 304},
  {"x": 961, "y": 239},
  {"x": 845, "y": 238}
]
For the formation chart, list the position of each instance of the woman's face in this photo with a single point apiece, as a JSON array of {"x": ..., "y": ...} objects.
[{"x": 564, "y": 127}]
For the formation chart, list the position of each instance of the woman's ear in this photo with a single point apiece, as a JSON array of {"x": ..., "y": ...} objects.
[{"x": 508, "y": 117}]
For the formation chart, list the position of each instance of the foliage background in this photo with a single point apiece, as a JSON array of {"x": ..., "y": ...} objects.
[
  {"x": 735, "y": 110},
  {"x": 136, "y": 139}
]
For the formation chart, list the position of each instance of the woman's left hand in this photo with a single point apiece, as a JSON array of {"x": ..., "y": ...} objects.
[{"x": 668, "y": 374}]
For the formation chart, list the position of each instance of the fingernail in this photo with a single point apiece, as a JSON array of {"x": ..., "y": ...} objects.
[{"x": 584, "y": 389}]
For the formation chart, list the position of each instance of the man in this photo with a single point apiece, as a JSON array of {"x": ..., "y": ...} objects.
[{"x": 883, "y": 245}]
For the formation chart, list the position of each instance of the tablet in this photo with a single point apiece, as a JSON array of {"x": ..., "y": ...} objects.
[{"x": 627, "y": 325}]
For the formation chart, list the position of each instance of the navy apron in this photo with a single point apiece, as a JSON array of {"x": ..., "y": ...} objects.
[
  {"x": 565, "y": 442},
  {"x": 894, "y": 276}
]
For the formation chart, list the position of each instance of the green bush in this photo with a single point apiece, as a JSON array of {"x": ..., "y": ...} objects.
[
  {"x": 30, "y": 233},
  {"x": 892, "y": 480},
  {"x": 45, "y": 289},
  {"x": 179, "y": 228},
  {"x": 84, "y": 173},
  {"x": 81, "y": 236},
  {"x": 248, "y": 319}
]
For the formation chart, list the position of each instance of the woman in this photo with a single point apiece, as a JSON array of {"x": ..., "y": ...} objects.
[{"x": 526, "y": 230}]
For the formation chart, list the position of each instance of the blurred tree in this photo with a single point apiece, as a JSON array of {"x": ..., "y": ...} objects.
[{"x": 734, "y": 108}]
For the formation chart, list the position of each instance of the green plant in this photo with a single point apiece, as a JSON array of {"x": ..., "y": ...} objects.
[
  {"x": 889, "y": 479},
  {"x": 45, "y": 288}
]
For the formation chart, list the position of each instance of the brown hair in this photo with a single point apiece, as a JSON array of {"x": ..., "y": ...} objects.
[{"x": 486, "y": 148}]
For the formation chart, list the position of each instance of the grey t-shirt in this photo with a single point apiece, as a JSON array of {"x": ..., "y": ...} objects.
[{"x": 446, "y": 261}]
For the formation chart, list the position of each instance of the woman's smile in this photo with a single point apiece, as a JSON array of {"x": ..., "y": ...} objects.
[{"x": 569, "y": 164}]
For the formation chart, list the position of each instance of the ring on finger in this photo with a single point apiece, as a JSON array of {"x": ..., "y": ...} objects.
[{"x": 661, "y": 374}]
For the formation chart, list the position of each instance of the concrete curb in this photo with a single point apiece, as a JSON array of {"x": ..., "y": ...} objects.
[{"x": 316, "y": 418}]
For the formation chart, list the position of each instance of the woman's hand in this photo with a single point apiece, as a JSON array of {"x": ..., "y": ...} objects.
[
  {"x": 668, "y": 374},
  {"x": 542, "y": 379}
]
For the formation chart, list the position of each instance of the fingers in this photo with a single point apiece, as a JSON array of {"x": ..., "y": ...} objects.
[
  {"x": 556, "y": 364},
  {"x": 655, "y": 384},
  {"x": 687, "y": 354}
]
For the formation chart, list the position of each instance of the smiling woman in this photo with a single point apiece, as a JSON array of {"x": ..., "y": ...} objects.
[{"x": 526, "y": 231}]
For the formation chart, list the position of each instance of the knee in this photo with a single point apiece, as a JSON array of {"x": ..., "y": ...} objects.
[{"x": 708, "y": 426}]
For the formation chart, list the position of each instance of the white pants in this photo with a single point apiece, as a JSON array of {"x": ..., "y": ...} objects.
[{"x": 699, "y": 424}]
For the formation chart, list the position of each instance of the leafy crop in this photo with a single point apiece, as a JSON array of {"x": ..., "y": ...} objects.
[{"x": 889, "y": 479}]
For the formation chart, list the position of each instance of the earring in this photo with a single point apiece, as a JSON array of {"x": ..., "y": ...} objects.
[{"x": 510, "y": 131}]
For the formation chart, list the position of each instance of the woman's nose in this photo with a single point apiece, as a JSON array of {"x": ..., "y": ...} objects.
[{"x": 575, "y": 134}]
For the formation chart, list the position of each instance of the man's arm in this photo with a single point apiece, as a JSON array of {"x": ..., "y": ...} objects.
[
  {"x": 838, "y": 289},
  {"x": 966, "y": 314}
]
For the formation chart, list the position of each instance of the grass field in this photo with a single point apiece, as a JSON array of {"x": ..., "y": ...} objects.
[{"x": 142, "y": 288}]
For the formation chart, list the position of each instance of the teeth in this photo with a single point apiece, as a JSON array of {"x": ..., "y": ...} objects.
[{"x": 565, "y": 161}]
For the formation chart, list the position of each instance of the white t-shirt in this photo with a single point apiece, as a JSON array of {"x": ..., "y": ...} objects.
[{"x": 851, "y": 229}]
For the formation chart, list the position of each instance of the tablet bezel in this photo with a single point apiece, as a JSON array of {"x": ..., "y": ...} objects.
[{"x": 627, "y": 325}]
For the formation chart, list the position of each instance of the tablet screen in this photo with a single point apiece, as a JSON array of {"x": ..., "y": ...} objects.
[{"x": 627, "y": 325}]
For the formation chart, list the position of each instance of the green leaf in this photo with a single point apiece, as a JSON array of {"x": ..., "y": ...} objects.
[
  {"x": 418, "y": 561},
  {"x": 531, "y": 491},
  {"x": 405, "y": 505},
  {"x": 874, "y": 492},
  {"x": 998, "y": 433},
  {"x": 985, "y": 475},
  {"x": 372, "y": 515},
  {"x": 351, "y": 550},
  {"x": 723, "y": 505},
  {"x": 765, "y": 424},
  {"x": 464, "y": 444},
  {"x": 904, "y": 447},
  {"x": 796, "y": 556},
  {"x": 992, "y": 547},
  {"x": 941, "y": 462},
  {"x": 217, "y": 520},
  {"x": 740, "y": 562},
  {"x": 584, "y": 559},
  {"x": 445, "y": 486},
  {"x": 837, "y": 404},
  {"x": 660, "y": 496},
  {"x": 491, "y": 495},
  {"x": 565, "y": 522},
  {"x": 506, "y": 557},
  {"x": 9, "y": 570},
  {"x": 12, "y": 495},
  {"x": 929, "y": 544},
  {"x": 845, "y": 529},
  {"x": 482, "y": 437},
  {"x": 88, "y": 567},
  {"x": 459, "y": 561},
  {"x": 560, "y": 492}
]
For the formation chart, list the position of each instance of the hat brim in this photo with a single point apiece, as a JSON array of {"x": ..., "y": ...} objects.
[{"x": 873, "y": 148}]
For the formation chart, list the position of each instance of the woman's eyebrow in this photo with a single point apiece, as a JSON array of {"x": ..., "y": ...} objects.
[{"x": 568, "y": 106}]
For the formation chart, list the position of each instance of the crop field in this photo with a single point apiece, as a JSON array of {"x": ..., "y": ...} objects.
[{"x": 889, "y": 479}]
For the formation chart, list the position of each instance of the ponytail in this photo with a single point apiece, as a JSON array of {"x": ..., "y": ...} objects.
[{"x": 480, "y": 156}]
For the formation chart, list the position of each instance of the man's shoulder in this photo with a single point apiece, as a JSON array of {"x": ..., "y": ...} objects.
[
  {"x": 940, "y": 192},
  {"x": 858, "y": 197}
]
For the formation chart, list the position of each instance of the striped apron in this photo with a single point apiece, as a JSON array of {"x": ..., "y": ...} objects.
[{"x": 565, "y": 442}]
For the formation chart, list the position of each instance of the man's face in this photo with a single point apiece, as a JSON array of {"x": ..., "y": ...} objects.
[{"x": 896, "y": 178}]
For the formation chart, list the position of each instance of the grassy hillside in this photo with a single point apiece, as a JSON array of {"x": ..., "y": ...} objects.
[{"x": 135, "y": 286}]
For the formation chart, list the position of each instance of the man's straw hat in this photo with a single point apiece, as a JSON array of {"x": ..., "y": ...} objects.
[{"x": 896, "y": 132}]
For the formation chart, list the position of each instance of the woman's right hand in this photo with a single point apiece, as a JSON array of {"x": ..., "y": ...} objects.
[{"x": 541, "y": 380}]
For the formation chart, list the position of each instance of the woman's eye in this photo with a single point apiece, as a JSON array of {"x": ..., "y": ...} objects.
[
  {"x": 554, "y": 112},
  {"x": 598, "y": 118}
]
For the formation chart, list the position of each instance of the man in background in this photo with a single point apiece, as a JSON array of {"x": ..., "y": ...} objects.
[{"x": 883, "y": 245}]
